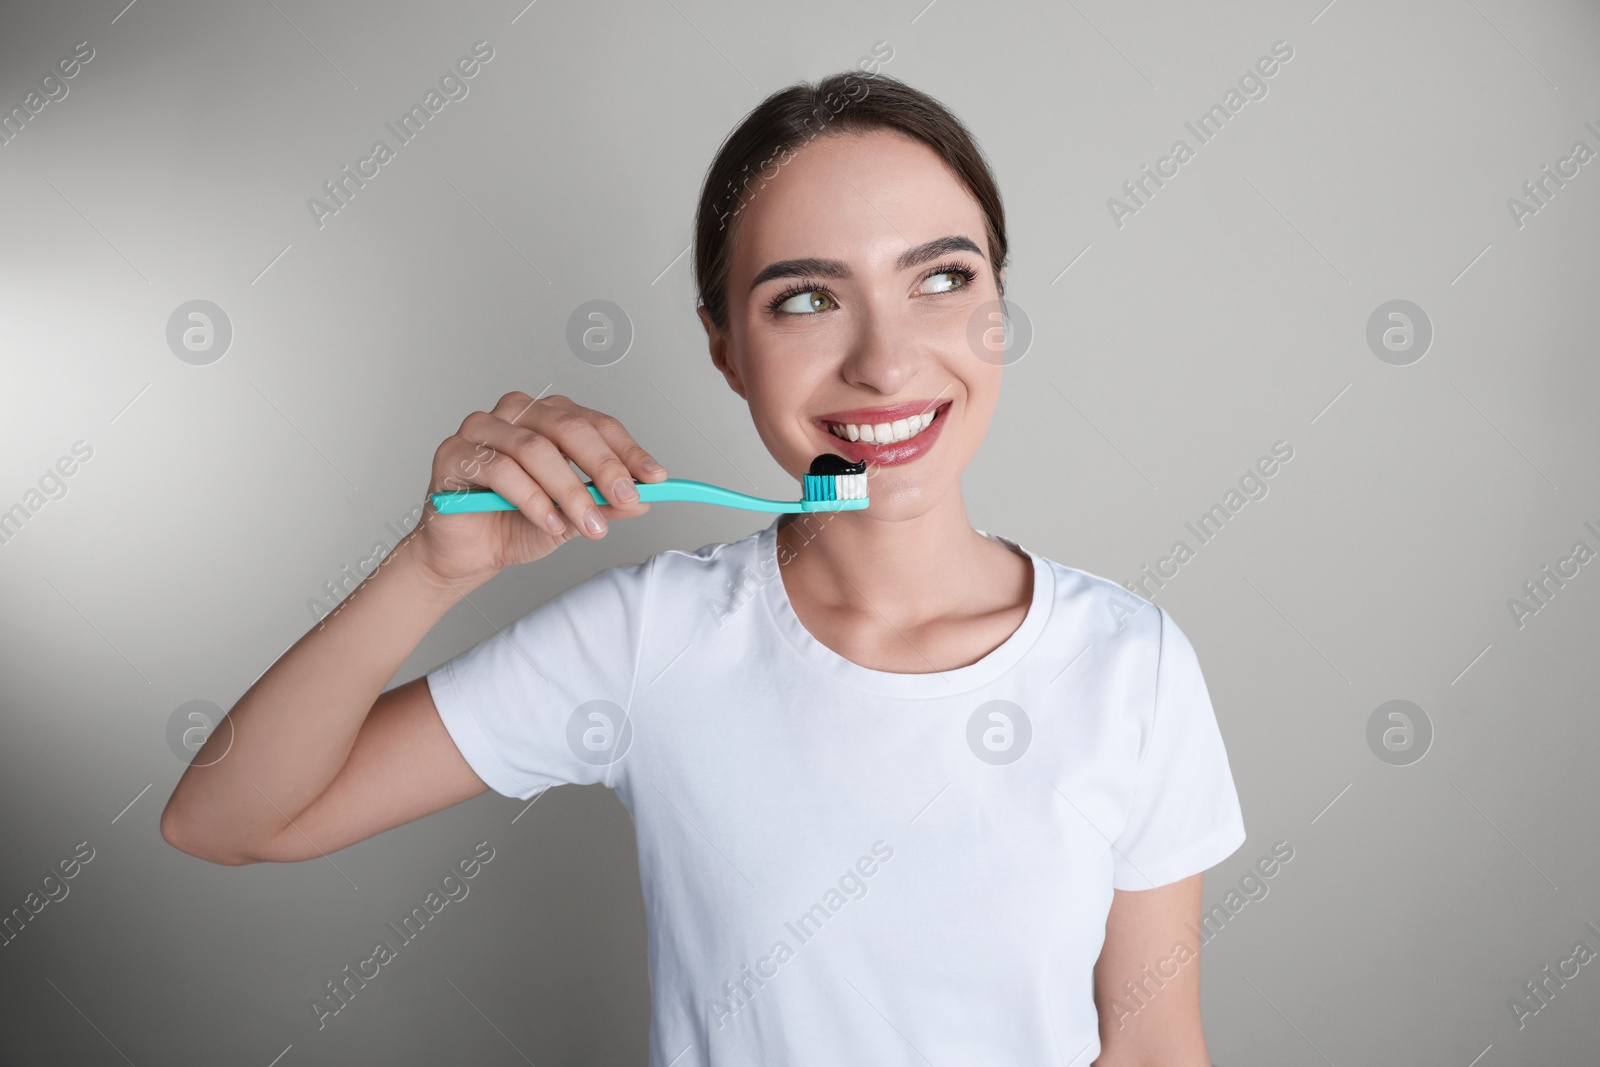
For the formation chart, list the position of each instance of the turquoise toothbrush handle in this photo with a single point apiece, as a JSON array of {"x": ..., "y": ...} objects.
[
  {"x": 705, "y": 493},
  {"x": 650, "y": 492}
]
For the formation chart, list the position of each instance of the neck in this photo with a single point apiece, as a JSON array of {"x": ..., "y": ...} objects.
[{"x": 907, "y": 570}]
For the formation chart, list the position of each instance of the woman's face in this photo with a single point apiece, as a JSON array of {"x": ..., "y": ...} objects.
[{"x": 882, "y": 325}]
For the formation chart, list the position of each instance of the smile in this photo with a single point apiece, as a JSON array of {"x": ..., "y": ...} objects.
[
  {"x": 883, "y": 432},
  {"x": 899, "y": 434}
]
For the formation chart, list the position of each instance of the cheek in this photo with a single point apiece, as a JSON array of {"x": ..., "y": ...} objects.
[
  {"x": 781, "y": 386},
  {"x": 778, "y": 407},
  {"x": 983, "y": 394}
]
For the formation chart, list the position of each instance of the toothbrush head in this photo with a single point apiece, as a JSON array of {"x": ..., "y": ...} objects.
[{"x": 836, "y": 483}]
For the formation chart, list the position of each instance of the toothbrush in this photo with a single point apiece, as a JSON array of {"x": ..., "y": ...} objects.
[{"x": 831, "y": 485}]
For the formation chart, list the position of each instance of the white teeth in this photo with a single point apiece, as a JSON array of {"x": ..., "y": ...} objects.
[{"x": 883, "y": 432}]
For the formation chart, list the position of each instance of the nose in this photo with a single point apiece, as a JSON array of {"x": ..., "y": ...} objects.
[{"x": 883, "y": 356}]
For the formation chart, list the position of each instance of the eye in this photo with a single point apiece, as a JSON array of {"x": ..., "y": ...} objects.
[
  {"x": 800, "y": 301},
  {"x": 948, "y": 278}
]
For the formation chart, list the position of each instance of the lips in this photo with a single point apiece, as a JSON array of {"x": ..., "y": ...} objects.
[
  {"x": 884, "y": 414},
  {"x": 893, "y": 453}
]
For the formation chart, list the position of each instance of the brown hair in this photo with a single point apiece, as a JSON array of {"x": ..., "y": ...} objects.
[{"x": 847, "y": 102}]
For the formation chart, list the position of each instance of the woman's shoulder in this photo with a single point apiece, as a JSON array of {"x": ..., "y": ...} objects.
[
  {"x": 672, "y": 571},
  {"x": 1114, "y": 617},
  {"x": 1085, "y": 600},
  {"x": 673, "y": 591}
]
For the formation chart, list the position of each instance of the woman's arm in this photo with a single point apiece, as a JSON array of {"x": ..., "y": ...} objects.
[
  {"x": 252, "y": 791},
  {"x": 312, "y": 758},
  {"x": 1155, "y": 1022}
]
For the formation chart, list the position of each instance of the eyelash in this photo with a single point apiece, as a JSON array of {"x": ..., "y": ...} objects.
[{"x": 968, "y": 275}]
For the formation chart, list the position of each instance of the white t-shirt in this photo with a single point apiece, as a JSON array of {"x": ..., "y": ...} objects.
[{"x": 845, "y": 865}]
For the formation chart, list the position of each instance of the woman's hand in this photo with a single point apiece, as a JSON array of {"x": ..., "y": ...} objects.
[{"x": 521, "y": 451}]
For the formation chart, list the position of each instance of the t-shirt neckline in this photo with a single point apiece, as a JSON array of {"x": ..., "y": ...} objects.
[{"x": 888, "y": 683}]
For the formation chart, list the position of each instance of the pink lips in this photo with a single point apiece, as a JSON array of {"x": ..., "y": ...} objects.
[
  {"x": 902, "y": 410},
  {"x": 894, "y": 453}
]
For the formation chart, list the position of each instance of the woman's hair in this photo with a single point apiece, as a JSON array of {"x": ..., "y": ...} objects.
[{"x": 847, "y": 102}]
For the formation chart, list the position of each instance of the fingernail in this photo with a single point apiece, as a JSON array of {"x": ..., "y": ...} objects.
[
  {"x": 557, "y": 524},
  {"x": 651, "y": 466},
  {"x": 624, "y": 491},
  {"x": 595, "y": 522}
]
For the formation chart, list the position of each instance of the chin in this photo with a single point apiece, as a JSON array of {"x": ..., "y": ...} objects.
[{"x": 895, "y": 494}]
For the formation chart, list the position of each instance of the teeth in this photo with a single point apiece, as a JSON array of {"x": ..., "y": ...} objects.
[{"x": 883, "y": 432}]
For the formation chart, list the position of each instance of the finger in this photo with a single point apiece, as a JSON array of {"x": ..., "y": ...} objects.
[
  {"x": 536, "y": 414},
  {"x": 466, "y": 460},
  {"x": 546, "y": 464},
  {"x": 515, "y": 405},
  {"x": 633, "y": 511},
  {"x": 639, "y": 462},
  {"x": 576, "y": 435},
  {"x": 573, "y": 428}
]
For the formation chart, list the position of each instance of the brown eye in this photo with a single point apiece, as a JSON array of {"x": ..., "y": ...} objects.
[
  {"x": 948, "y": 280},
  {"x": 807, "y": 302}
]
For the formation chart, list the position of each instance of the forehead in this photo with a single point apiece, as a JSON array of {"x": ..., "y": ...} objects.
[{"x": 852, "y": 196}]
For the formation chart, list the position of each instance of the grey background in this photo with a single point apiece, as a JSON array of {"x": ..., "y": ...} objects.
[{"x": 1227, "y": 314}]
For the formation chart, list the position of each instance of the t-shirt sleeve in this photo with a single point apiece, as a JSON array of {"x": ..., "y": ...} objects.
[
  {"x": 546, "y": 700},
  {"x": 1185, "y": 814}
]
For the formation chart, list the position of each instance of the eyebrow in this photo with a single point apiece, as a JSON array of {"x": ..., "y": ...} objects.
[{"x": 836, "y": 268}]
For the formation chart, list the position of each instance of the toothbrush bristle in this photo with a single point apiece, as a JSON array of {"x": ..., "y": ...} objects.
[{"x": 833, "y": 478}]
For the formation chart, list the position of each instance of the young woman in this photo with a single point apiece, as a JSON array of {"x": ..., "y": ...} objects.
[{"x": 905, "y": 792}]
